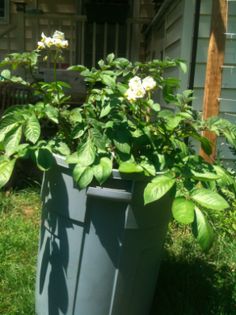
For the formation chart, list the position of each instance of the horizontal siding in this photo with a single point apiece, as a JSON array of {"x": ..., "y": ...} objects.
[
  {"x": 204, "y": 26},
  {"x": 232, "y": 8},
  {"x": 174, "y": 14},
  {"x": 172, "y": 36},
  {"x": 227, "y": 100},
  {"x": 230, "y": 51},
  {"x": 165, "y": 39},
  {"x": 173, "y": 33},
  {"x": 224, "y": 151},
  {"x": 231, "y": 25},
  {"x": 205, "y": 7},
  {"x": 173, "y": 50}
]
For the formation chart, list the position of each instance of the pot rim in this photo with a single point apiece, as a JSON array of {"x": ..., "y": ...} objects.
[{"x": 61, "y": 161}]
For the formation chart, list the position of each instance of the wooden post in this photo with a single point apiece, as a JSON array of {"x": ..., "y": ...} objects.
[{"x": 215, "y": 62}]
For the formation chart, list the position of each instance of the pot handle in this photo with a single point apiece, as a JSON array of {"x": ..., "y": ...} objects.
[{"x": 109, "y": 193}]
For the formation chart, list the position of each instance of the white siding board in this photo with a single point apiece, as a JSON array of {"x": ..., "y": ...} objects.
[
  {"x": 174, "y": 14},
  {"x": 224, "y": 151},
  {"x": 232, "y": 8},
  {"x": 172, "y": 33},
  {"x": 199, "y": 79},
  {"x": 231, "y": 25},
  {"x": 227, "y": 105},
  {"x": 204, "y": 26},
  {"x": 173, "y": 50},
  {"x": 230, "y": 51},
  {"x": 202, "y": 50},
  {"x": 206, "y": 6},
  {"x": 229, "y": 78}
]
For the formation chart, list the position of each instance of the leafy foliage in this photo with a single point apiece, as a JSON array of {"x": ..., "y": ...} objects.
[{"x": 121, "y": 125}]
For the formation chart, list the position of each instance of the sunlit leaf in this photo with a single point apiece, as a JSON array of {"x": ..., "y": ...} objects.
[
  {"x": 183, "y": 210},
  {"x": 130, "y": 167},
  {"x": 202, "y": 230},
  {"x": 6, "y": 169},
  {"x": 158, "y": 188},
  {"x": 32, "y": 129},
  {"x": 209, "y": 199}
]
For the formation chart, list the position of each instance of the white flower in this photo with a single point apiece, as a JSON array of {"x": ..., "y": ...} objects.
[
  {"x": 58, "y": 35},
  {"x": 43, "y": 37},
  {"x": 130, "y": 95},
  {"x": 148, "y": 83},
  {"x": 139, "y": 91},
  {"x": 64, "y": 44},
  {"x": 135, "y": 82},
  {"x": 48, "y": 42},
  {"x": 57, "y": 40},
  {"x": 41, "y": 45}
]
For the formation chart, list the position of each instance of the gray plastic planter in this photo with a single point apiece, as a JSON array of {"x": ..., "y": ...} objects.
[{"x": 100, "y": 248}]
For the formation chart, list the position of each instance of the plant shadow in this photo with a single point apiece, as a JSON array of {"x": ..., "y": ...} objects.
[{"x": 194, "y": 287}]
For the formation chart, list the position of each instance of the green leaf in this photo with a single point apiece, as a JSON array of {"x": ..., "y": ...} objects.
[
  {"x": 6, "y": 74},
  {"x": 62, "y": 148},
  {"x": 183, "y": 66},
  {"x": 32, "y": 129},
  {"x": 6, "y": 169},
  {"x": 123, "y": 147},
  {"x": 155, "y": 106},
  {"x": 78, "y": 171},
  {"x": 205, "y": 143},
  {"x": 73, "y": 158},
  {"x": 12, "y": 140},
  {"x": 79, "y": 68},
  {"x": 105, "y": 111},
  {"x": 183, "y": 210},
  {"x": 110, "y": 58},
  {"x": 85, "y": 178},
  {"x": 205, "y": 176},
  {"x": 108, "y": 80},
  {"x": 75, "y": 115},
  {"x": 209, "y": 199},
  {"x": 130, "y": 167},
  {"x": 87, "y": 153},
  {"x": 83, "y": 175},
  {"x": 202, "y": 230},
  {"x": 121, "y": 139},
  {"x": 6, "y": 125},
  {"x": 173, "y": 122},
  {"x": 122, "y": 88},
  {"x": 101, "y": 63},
  {"x": 103, "y": 170},
  {"x": 44, "y": 159},
  {"x": 78, "y": 131},
  {"x": 52, "y": 113},
  {"x": 158, "y": 188},
  {"x": 149, "y": 168}
]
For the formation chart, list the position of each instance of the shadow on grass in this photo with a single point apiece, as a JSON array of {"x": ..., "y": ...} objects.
[{"x": 194, "y": 287}]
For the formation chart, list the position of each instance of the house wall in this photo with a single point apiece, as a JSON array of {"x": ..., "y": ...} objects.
[
  {"x": 58, "y": 6},
  {"x": 171, "y": 36},
  {"x": 228, "y": 91}
]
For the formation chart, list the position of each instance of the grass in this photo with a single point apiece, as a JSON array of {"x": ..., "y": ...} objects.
[
  {"x": 194, "y": 283},
  {"x": 190, "y": 282},
  {"x": 19, "y": 218}
]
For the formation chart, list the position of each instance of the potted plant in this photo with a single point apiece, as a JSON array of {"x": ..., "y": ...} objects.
[{"x": 115, "y": 167}]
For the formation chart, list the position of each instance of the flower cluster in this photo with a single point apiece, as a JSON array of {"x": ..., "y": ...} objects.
[
  {"x": 57, "y": 41},
  {"x": 138, "y": 87}
]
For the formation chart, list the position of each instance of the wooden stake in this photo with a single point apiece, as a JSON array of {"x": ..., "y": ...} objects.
[{"x": 215, "y": 62}]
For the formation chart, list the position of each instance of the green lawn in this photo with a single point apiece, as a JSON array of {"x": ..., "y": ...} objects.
[
  {"x": 190, "y": 282},
  {"x": 19, "y": 218}
]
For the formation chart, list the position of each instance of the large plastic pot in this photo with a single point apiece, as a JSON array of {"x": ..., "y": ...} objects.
[{"x": 100, "y": 248}]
